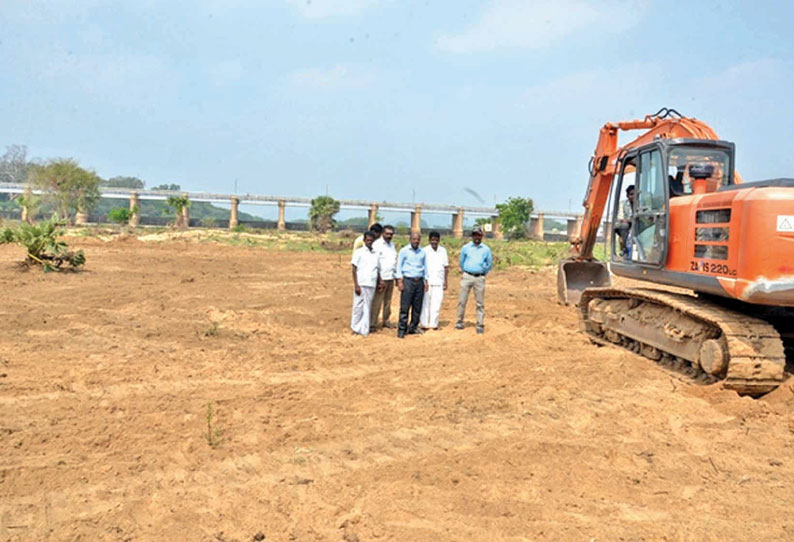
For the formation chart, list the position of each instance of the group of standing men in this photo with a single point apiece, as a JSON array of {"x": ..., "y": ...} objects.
[{"x": 421, "y": 276}]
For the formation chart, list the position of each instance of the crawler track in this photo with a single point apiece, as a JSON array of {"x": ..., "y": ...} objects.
[{"x": 701, "y": 337}]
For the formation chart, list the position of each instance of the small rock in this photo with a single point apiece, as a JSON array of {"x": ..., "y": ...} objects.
[{"x": 259, "y": 536}]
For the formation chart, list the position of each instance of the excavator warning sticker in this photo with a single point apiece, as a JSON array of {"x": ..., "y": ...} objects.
[{"x": 785, "y": 223}]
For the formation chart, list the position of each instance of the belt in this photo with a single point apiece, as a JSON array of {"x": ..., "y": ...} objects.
[
  {"x": 475, "y": 274},
  {"x": 415, "y": 279}
]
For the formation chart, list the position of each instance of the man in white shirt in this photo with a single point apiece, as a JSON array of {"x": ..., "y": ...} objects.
[
  {"x": 387, "y": 258},
  {"x": 365, "y": 280},
  {"x": 437, "y": 271}
]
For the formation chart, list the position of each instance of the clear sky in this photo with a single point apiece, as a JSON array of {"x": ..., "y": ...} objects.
[{"x": 386, "y": 99}]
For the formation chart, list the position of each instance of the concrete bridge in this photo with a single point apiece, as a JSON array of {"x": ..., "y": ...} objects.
[{"x": 416, "y": 210}]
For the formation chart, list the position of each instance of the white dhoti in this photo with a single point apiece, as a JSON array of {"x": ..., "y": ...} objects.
[
  {"x": 431, "y": 307},
  {"x": 359, "y": 321}
]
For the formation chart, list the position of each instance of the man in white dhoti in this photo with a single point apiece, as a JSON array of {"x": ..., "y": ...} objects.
[
  {"x": 437, "y": 271},
  {"x": 365, "y": 280}
]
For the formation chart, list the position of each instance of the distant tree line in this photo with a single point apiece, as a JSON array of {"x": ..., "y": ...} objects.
[{"x": 68, "y": 188}]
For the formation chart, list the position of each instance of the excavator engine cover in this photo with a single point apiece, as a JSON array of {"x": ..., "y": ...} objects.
[{"x": 574, "y": 276}]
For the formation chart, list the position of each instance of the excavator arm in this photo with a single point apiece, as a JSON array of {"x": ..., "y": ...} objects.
[{"x": 582, "y": 270}]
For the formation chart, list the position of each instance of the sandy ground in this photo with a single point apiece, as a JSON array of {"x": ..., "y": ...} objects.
[{"x": 526, "y": 433}]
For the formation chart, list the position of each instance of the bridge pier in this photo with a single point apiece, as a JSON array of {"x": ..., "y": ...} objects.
[
  {"x": 372, "y": 215},
  {"x": 233, "y": 217},
  {"x": 25, "y": 215},
  {"x": 282, "y": 223},
  {"x": 496, "y": 228},
  {"x": 135, "y": 210},
  {"x": 573, "y": 228},
  {"x": 416, "y": 219},
  {"x": 80, "y": 218},
  {"x": 457, "y": 224},
  {"x": 186, "y": 214},
  {"x": 536, "y": 227}
]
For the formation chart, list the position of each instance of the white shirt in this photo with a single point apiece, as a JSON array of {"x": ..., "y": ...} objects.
[
  {"x": 387, "y": 258},
  {"x": 436, "y": 261},
  {"x": 366, "y": 262}
]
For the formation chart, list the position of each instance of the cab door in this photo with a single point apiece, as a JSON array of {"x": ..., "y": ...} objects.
[{"x": 649, "y": 223}]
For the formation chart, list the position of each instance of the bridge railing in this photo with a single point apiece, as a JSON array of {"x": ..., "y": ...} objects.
[{"x": 373, "y": 207}]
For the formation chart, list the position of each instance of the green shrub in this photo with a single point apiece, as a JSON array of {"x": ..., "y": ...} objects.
[
  {"x": 120, "y": 215},
  {"x": 513, "y": 215},
  {"x": 321, "y": 213},
  {"x": 42, "y": 245}
]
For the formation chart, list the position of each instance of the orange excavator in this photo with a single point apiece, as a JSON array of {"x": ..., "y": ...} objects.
[{"x": 689, "y": 222}]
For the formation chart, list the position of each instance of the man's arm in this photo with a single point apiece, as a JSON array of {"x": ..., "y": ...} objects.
[
  {"x": 398, "y": 273},
  {"x": 356, "y": 287},
  {"x": 488, "y": 260},
  {"x": 379, "y": 283},
  {"x": 424, "y": 267},
  {"x": 446, "y": 268},
  {"x": 462, "y": 256}
]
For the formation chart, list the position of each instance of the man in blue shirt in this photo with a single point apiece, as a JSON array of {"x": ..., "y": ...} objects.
[
  {"x": 411, "y": 278},
  {"x": 475, "y": 262}
]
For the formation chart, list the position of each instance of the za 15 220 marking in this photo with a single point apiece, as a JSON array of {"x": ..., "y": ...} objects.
[{"x": 716, "y": 268}]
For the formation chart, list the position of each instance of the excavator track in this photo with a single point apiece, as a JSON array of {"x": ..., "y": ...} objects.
[{"x": 704, "y": 338}]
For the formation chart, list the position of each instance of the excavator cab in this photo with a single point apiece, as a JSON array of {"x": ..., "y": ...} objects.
[
  {"x": 659, "y": 172},
  {"x": 637, "y": 230}
]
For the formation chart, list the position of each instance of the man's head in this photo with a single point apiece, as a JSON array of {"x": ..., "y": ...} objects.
[
  {"x": 388, "y": 233},
  {"x": 435, "y": 237},
  {"x": 416, "y": 237},
  {"x": 476, "y": 235},
  {"x": 369, "y": 238},
  {"x": 376, "y": 229},
  {"x": 630, "y": 193}
]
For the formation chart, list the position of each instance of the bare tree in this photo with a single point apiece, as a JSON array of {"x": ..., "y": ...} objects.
[{"x": 14, "y": 164}]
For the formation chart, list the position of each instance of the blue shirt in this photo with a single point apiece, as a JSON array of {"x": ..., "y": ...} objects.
[
  {"x": 476, "y": 259},
  {"x": 411, "y": 263}
]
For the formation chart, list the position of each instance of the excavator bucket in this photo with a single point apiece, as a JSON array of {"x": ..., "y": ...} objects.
[{"x": 574, "y": 276}]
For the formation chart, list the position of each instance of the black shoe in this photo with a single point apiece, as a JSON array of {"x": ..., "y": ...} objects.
[
  {"x": 415, "y": 331},
  {"x": 480, "y": 331},
  {"x": 401, "y": 334},
  {"x": 459, "y": 325}
]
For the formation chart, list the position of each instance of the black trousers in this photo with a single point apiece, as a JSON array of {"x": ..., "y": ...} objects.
[{"x": 411, "y": 298}]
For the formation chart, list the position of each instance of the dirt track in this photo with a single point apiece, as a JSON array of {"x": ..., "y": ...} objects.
[{"x": 526, "y": 433}]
